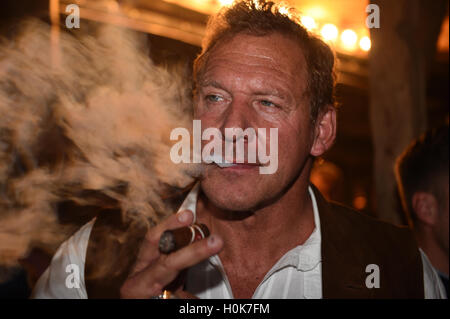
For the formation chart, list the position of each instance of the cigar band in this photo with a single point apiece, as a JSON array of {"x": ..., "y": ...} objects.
[
  {"x": 196, "y": 236},
  {"x": 201, "y": 234},
  {"x": 193, "y": 234}
]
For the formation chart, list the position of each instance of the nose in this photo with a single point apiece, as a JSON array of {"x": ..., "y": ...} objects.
[{"x": 236, "y": 117}]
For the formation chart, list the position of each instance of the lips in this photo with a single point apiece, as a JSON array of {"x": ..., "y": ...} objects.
[{"x": 223, "y": 163}]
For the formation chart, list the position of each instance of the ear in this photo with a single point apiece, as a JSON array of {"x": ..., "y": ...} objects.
[
  {"x": 425, "y": 207},
  {"x": 324, "y": 131}
]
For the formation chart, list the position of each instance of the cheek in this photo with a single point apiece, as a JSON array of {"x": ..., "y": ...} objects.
[
  {"x": 200, "y": 107},
  {"x": 291, "y": 125},
  {"x": 297, "y": 126},
  {"x": 208, "y": 117},
  {"x": 294, "y": 142}
]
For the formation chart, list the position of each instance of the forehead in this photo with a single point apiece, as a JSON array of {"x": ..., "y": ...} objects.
[{"x": 273, "y": 56}]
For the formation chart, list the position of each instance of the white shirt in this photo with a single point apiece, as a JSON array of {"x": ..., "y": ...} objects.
[{"x": 297, "y": 275}]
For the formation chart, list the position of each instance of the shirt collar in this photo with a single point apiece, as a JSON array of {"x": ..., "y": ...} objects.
[
  {"x": 190, "y": 202},
  {"x": 304, "y": 257},
  {"x": 307, "y": 256}
]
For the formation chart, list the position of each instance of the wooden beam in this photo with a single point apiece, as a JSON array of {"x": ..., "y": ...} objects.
[{"x": 143, "y": 20}]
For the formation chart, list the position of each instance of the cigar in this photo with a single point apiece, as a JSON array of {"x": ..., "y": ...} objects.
[{"x": 172, "y": 240}]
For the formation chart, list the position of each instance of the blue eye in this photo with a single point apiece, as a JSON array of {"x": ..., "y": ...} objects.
[
  {"x": 267, "y": 103},
  {"x": 214, "y": 98}
]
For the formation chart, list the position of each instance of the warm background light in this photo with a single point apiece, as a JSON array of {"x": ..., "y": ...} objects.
[
  {"x": 329, "y": 32},
  {"x": 315, "y": 12},
  {"x": 360, "y": 202},
  {"x": 365, "y": 44},
  {"x": 325, "y": 20},
  {"x": 349, "y": 38},
  {"x": 284, "y": 10},
  {"x": 308, "y": 22},
  {"x": 226, "y": 2}
]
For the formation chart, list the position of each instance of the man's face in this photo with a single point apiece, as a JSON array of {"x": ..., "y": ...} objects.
[{"x": 255, "y": 82}]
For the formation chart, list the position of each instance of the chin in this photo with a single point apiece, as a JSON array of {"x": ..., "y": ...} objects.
[
  {"x": 239, "y": 194},
  {"x": 231, "y": 203}
]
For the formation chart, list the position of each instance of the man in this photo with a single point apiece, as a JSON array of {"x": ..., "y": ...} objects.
[
  {"x": 422, "y": 177},
  {"x": 272, "y": 235}
]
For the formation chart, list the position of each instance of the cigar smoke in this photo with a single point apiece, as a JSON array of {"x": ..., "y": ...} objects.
[{"x": 93, "y": 128}]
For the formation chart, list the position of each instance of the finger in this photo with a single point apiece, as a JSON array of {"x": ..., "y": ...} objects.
[
  {"x": 180, "y": 219},
  {"x": 193, "y": 254},
  {"x": 178, "y": 282},
  {"x": 153, "y": 279},
  {"x": 149, "y": 247}
]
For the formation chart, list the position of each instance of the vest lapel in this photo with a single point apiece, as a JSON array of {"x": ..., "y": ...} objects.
[{"x": 343, "y": 272}]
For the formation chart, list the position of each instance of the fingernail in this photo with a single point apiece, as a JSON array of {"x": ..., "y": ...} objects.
[
  {"x": 184, "y": 216},
  {"x": 213, "y": 241}
]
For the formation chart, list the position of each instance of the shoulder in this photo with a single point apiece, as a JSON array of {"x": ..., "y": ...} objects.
[
  {"x": 434, "y": 289},
  {"x": 112, "y": 249},
  {"x": 374, "y": 232},
  {"x": 363, "y": 240},
  {"x": 69, "y": 259}
]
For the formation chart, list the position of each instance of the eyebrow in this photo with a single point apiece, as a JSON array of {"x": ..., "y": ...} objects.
[
  {"x": 274, "y": 92},
  {"x": 213, "y": 83},
  {"x": 268, "y": 91}
]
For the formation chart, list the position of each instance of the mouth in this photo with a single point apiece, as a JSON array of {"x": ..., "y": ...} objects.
[{"x": 223, "y": 163}]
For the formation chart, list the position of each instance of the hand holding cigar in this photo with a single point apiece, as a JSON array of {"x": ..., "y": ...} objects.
[{"x": 168, "y": 248}]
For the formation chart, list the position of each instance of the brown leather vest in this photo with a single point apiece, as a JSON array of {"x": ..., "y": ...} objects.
[{"x": 350, "y": 242}]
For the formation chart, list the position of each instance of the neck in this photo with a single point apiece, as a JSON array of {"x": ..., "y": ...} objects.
[
  {"x": 277, "y": 227},
  {"x": 437, "y": 255}
]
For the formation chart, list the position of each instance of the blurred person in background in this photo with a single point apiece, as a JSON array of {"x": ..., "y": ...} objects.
[{"x": 422, "y": 177}]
